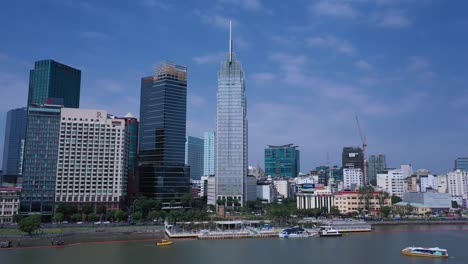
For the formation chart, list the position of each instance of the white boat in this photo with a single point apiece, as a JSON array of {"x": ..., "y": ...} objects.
[
  {"x": 294, "y": 232},
  {"x": 328, "y": 231},
  {"x": 434, "y": 252}
]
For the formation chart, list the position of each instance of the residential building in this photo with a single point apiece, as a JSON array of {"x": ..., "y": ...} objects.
[
  {"x": 194, "y": 148},
  {"x": 394, "y": 181},
  {"x": 211, "y": 190},
  {"x": 13, "y": 147},
  {"x": 281, "y": 187},
  {"x": 443, "y": 183},
  {"x": 9, "y": 204},
  {"x": 256, "y": 171},
  {"x": 231, "y": 130},
  {"x": 377, "y": 164},
  {"x": 282, "y": 161},
  {"x": 202, "y": 186},
  {"x": 132, "y": 127},
  {"x": 51, "y": 82},
  {"x": 461, "y": 164},
  {"x": 353, "y": 158},
  {"x": 92, "y": 158},
  {"x": 163, "y": 113},
  {"x": 323, "y": 173},
  {"x": 458, "y": 185},
  {"x": 40, "y": 160},
  {"x": 428, "y": 182},
  {"x": 352, "y": 178},
  {"x": 349, "y": 201},
  {"x": 209, "y": 153},
  {"x": 265, "y": 191}
]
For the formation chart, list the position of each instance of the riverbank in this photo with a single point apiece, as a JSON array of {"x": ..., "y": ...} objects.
[{"x": 420, "y": 222}]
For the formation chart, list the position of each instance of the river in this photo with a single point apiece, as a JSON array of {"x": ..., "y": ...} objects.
[{"x": 382, "y": 246}]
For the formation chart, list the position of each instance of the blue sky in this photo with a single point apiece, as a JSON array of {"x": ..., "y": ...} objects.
[{"x": 310, "y": 67}]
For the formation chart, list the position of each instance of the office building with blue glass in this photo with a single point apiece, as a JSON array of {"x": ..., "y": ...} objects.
[
  {"x": 209, "y": 153},
  {"x": 15, "y": 135},
  {"x": 51, "y": 82},
  {"x": 282, "y": 161},
  {"x": 163, "y": 114},
  {"x": 194, "y": 148},
  {"x": 461, "y": 164}
]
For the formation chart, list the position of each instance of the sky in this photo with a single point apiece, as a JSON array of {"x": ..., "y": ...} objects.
[{"x": 311, "y": 66}]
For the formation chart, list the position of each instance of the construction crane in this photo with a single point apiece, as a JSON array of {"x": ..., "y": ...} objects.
[{"x": 364, "y": 145}]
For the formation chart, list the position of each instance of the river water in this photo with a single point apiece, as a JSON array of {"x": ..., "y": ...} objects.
[{"x": 382, "y": 246}]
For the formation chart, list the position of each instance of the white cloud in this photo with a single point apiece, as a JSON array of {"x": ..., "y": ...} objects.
[
  {"x": 247, "y": 4},
  {"x": 329, "y": 41},
  {"x": 156, "y": 4},
  {"x": 210, "y": 58},
  {"x": 391, "y": 19},
  {"x": 363, "y": 65},
  {"x": 263, "y": 76},
  {"x": 332, "y": 8},
  {"x": 215, "y": 19}
]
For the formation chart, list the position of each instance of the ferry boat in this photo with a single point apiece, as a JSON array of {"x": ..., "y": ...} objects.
[
  {"x": 434, "y": 252},
  {"x": 164, "y": 243},
  {"x": 293, "y": 233},
  {"x": 328, "y": 231}
]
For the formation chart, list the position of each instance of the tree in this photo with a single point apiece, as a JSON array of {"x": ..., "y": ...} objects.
[
  {"x": 111, "y": 215},
  {"x": 335, "y": 210},
  {"x": 101, "y": 210},
  {"x": 385, "y": 210},
  {"x": 92, "y": 217},
  {"x": 76, "y": 217},
  {"x": 137, "y": 216},
  {"x": 87, "y": 209},
  {"x": 120, "y": 215},
  {"x": 366, "y": 193},
  {"x": 58, "y": 217},
  {"x": 455, "y": 204},
  {"x": 66, "y": 209},
  {"x": 409, "y": 209},
  {"x": 145, "y": 205},
  {"x": 186, "y": 200},
  {"x": 396, "y": 199},
  {"x": 153, "y": 215},
  {"x": 30, "y": 224}
]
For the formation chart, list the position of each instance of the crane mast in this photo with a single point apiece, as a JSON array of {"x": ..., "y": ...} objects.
[{"x": 364, "y": 146}]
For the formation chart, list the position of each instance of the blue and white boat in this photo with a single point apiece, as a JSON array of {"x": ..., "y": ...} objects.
[{"x": 294, "y": 232}]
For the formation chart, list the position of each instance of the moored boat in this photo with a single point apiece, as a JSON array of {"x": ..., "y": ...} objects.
[
  {"x": 434, "y": 252},
  {"x": 164, "y": 243},
  {"x": 294, "y": 232},
  {"x": 328, "y": 231}
]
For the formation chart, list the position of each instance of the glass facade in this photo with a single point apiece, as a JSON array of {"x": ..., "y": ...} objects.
[
  {"x": 15, "y": 135},
  {"x": 40, "y": 160},
  {"x": 231, "y": 131},
  {"x": 209, "y": 153},
  {"x": 282, "y": 161},
  {"x": 377, "y": 164},
  {"x": 163, "y": 113},
  {"x": 51, "y": 82},
  {"x": 194, "y": 156},
  {"x": 461, "y": 164},
  {"x": 131, "y": 125}
]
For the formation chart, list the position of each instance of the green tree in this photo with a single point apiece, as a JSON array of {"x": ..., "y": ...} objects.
[
  {"x": 409, "y": 209},
  {"x": 172, "y": 203},
  {"x": 92, "y": 217},
  {"x": 111, "y": 215},
  {"x": 30, "y": 224},
  {"x": 455, "y": 204},
  {"x": 137, "y": 216},
  {"x": 76, "y": 217},
  {"x": 145, "y": 205},
  {"x": 58, "y": 217},
  {"x": 120, "y": 215},
  {"x": 186, "y": 200},
  {"x": 153, "y": 215},
  {"x": 101, "y": 210},
  {"x": 87, "y": 209},
  {"x": 335, "y": 211},
  {"x": 17, "y": 218},
  {"x": 66, "y": 209},
  {"x": 396, "y": 199},
  {"x": 385, "y": 210}
]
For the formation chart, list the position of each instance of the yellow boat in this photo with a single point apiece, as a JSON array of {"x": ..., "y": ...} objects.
[
  {"x": 164, "y": 243},
  {"x": 425, "y": 252}
]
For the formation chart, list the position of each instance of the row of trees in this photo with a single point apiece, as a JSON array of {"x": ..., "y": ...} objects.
[{"x": 88, "y": 212}]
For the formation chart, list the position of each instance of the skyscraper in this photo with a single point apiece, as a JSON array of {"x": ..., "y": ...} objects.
[
  {"x": 209, "y": 153},
  {"x": 40, "y": 160},
  {"x": 15, "y": 135},
  {"x": 231, "y": 130},
  {"x": 194, "y": 156},
  {"x": 163, "y": 114},
  {"x": 51, "y": 82},
  {"x": 377, "y": 164},
  {"x": 282, "y": 161},
  {"x": 131, "y": 127},
  {"x": 461, "y": 164}
]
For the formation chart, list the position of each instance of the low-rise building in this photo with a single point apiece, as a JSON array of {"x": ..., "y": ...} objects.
[
  {"x": 352, "y": 201},
  {"x": 430, "y": 199},
  {"x": 312, "y": 200},
  {"x": 9, "y": 204},
  {"x": 416, "y": 208}
]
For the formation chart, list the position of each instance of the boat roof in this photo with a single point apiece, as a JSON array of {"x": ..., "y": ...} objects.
[{"x": 432, "y": 248}]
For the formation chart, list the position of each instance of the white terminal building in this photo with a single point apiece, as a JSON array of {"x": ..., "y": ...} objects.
[{"x": 92, "y": 158}]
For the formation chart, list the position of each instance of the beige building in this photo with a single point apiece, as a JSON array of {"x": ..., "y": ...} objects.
[
  {"x": 9, "y": 204},
  {"x": 349, "y": 201}
]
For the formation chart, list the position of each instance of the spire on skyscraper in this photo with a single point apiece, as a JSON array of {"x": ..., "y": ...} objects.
[{"x": 230, "y": 41}]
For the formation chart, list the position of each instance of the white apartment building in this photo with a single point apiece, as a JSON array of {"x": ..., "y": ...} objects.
[
  {"x": 352, "y": 178},
  {"x": 281, "y": 187},
  {"x": 428, "y": 181},
  {"x": 92, "y": 158},
  {"x": 443, "y": 183},
  {"x": 458, "y": 184},
  {"x": 393, "y": 182},
  {"x": 211, "y": 192},
  {"x": 265, "y": 192},
  {"x": 9, "y": 204}
]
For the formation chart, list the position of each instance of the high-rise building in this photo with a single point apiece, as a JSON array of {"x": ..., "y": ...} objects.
[
  {"x": 377, "y": 164},
  {"x": 458, "y": 184},
  {"x": 353, "y": 158},
  {"x": 40, "y": 160},
  {"x": 282, "y": 161},
  {"x": 163, "y": 114},
  {"x": 393, "y": 181},
  {"x": 194, "y": 148},
  {"x": 352, "y": 178},
  {"x": 131, "y": 127},
  {"x": 209, "y": 153},
  {"x": 461, "y": 164},
  {"x": 92, "y": 158},
  {"x": 231, "y": 130},
  {"x": 15, "y": 135},
  {"x": 51, "y": 82}
]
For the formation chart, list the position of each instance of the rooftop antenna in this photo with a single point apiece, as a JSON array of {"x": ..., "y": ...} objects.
[{"x": 230, "y": 41}]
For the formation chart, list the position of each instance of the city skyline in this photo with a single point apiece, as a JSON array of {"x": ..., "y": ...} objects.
[{"x": 397, "y": 88}]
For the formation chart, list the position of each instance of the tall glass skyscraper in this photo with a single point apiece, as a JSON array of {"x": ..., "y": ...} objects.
[
  {"x": 461, "y": 164},
  {"x": 40, "y": 160},
  {"x": 51, "y": 82},
  {"x": 282, "y": 161},
  {"x": 15, "y": 135},
  {"x": 131, "y": 126},
  {"x": 377, "y": 164},
  {"x": 194, "y": 156},
  {"x": 231, "y": 130},
  {"x": 209, "y": 153},
  {"x": 163, "y": 114}
]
